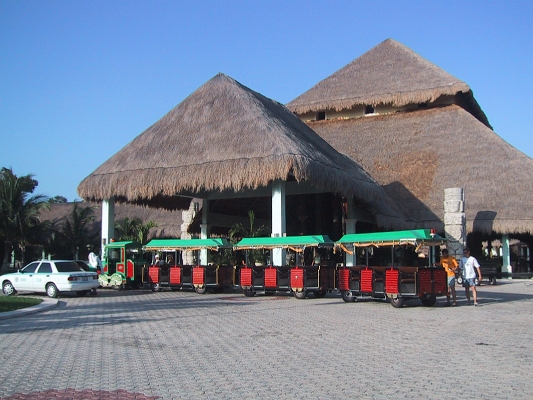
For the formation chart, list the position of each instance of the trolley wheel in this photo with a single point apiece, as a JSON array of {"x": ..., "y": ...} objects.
[
  {"x": 116, "y": 281},
  {"x": 300, "y": 295},
  {"x": 460, "y": 280},
  {"x": 200, "y": 289},
  {"x": 249, "y": 293},
  {"x": 397, "y": 302},
  {"x": 156, "y": 287},
  {"x": 347, "y": 296},
  {"x": 428, "y": 300},
  {"x": 320, "y": 293}
]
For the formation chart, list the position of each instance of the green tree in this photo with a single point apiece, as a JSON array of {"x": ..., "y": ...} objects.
[
  {"x": 19, "y": 212},
  {"x": 75, "y": 229},
  {"x": 134, "y": 229}
]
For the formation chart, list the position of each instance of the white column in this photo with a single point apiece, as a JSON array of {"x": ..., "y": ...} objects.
[
  {"x": 506, "y": 260},
  {"x": 279, "y": 222},
  {"x": 351, "y": 259},
  {"x": 108, "y": 221},
  {"x": 204, "y": 230}
]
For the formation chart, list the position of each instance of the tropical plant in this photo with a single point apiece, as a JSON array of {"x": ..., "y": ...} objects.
[
  {"x": 134, "y": 229},
  {"x": 19, "y": 212},
  {"x": 239, "y": 231}
]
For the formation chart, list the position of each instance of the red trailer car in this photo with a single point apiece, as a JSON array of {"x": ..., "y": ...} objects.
[
  {"x": 311, "y": 268},
  {"x": 397, "y": 266},
  {"x": 170, "y": 271}
]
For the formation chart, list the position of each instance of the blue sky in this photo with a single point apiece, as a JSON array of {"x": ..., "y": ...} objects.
[{"x": 80, "y": 79}]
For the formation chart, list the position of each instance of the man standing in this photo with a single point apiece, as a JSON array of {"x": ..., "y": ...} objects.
[
  {"x": 469, "y": 265},
  {"x": 449, "y": 264}
]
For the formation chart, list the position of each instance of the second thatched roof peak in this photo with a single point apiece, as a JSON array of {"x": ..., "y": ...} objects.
[
  {"x": 390, "y": 73},
  {"x": 224, "y": 136}
]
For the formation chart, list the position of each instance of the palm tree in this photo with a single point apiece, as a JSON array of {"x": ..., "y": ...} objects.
[
  {"x": 75, "y": 228},
  {"x": 19, "y": 212},
  {"x": 134, "y": 229}
]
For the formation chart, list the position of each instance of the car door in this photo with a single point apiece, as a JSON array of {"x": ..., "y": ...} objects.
[
  {"x": 24, "y": 280},
  {"x": 42, "y": 276}
]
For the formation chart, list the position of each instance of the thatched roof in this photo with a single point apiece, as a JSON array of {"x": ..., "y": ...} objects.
[
  {"x": 168, "y": 222},
  {"x": 390, "y": 73},
  {"x": 417, "y": 155},
  {"x": 225, "y": 136}
]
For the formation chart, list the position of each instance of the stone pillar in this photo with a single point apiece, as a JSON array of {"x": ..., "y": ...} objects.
[
  {"x": 187, "y": 216},
  {"x": 455, "y": 221},
  {"x": 279, "y": 223},
  {"x": 108, "y": 222}
]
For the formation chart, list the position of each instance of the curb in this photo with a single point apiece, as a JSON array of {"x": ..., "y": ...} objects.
[{"x": 46, "y": 304}]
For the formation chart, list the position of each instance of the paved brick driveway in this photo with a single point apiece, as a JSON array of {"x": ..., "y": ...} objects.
[{"x": 178, "y": 345}]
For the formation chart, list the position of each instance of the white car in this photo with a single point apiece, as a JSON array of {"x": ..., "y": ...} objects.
[{"x": 52, "y": 277}]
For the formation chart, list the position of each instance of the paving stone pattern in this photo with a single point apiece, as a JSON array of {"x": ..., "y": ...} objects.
[{"x": 181, "y": 345}]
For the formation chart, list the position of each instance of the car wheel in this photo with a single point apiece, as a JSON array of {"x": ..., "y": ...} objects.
[
  {"x": 51, "y": 290},
  {"x": 8, "y": 288}
]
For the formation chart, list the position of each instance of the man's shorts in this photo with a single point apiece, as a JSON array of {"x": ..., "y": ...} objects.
[
  {"x": 469, "y": 282},
  {"x": 451, "y": 281}
]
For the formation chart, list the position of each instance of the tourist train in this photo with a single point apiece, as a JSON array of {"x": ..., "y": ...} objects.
[{"x": 394, "y": 266}]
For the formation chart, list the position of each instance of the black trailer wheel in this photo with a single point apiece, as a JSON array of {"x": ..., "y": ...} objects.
[
  {"x": 347, "y": 296},
  {"x": 200, "y": 289},
  {"x": 320, "y": 293},
  {"x": 156, "y": 287},
  {"x": 300, "y": 295},
  {"x": 397, "y": 302},
  {"x": 428, "y": 300},
  {"x": 249, "y": 293}
]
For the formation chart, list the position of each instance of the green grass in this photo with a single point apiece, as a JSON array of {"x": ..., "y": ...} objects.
[{"x": 10, "y": 303}]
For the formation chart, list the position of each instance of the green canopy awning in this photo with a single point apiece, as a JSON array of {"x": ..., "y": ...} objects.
[
  {"x": 284, "y": 242},
  {"x": 122, "y": 244},
  {"x": 415, "y": 237},
  {"x": 187, "y": 244}
]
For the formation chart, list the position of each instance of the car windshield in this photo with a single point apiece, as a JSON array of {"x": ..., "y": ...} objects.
[{"x": 67, "y": 266}]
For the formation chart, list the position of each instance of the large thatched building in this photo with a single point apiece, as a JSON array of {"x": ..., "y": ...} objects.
[{"x": 422, "y": 131}]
